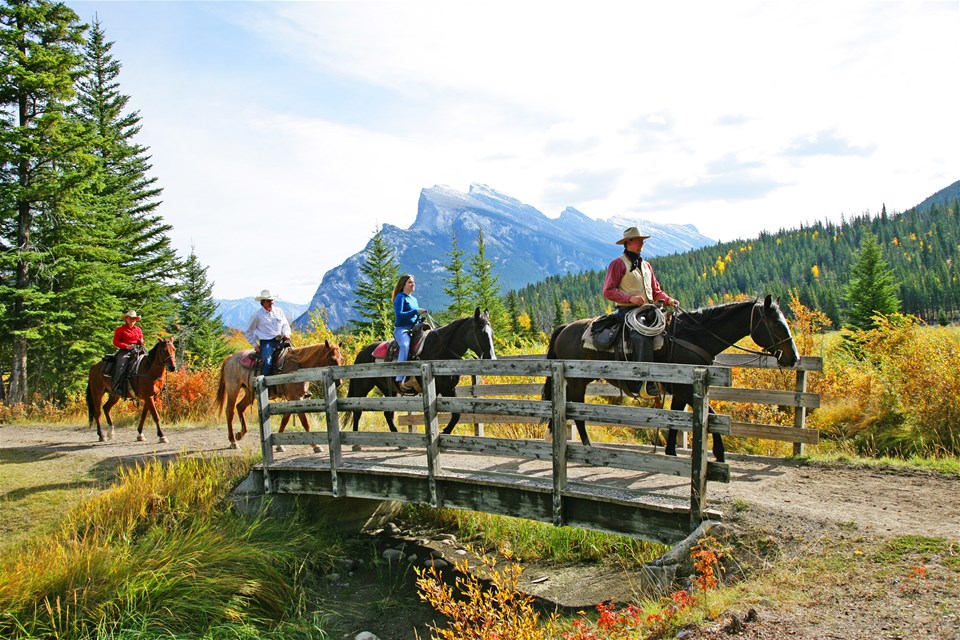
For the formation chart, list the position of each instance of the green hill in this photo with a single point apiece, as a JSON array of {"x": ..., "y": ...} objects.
[{"x": 921, "y": 245}]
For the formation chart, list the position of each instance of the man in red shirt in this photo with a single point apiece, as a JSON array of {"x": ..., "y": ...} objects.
[{"x": 127, "y": 338}]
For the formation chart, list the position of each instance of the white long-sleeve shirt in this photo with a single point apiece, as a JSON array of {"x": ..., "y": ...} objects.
[{"x": 265, "y": 325}]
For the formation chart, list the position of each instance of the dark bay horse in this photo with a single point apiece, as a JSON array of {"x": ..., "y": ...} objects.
[
  {"x": 449, "y": 342},
  {"x": 695, "y": 337},
  {"x": 146, "y": 384},
  {"x": 235, "y": 377}
]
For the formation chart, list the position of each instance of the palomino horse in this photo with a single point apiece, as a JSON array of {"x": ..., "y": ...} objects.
[
  {"x": 146, "y": 383},
  {"x": 695, "y": 337},
  {"x": 235, "y": 377},
  {"x": 449, "y": 342}
]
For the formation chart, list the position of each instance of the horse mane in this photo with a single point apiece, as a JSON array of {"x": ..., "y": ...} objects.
[
  {"x": 154, "y": 351},
  {"x": 299, "y": 355},
  {"x": 718, "y": 312}
]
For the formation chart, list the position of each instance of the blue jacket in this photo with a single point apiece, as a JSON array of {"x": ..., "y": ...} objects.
[{"x": 407, "y": 311}]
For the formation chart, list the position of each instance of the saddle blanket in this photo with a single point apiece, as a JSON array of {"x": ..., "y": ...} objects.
[
  {"x": 381, "y": 350},
  {"x": 627, "y": 348},
  {"x": 249, "y": 359}
]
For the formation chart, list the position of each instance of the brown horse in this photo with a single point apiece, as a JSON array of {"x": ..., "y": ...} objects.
[
  {"x": 235, "y": 377},
  {"x": 146, "y": 384}
]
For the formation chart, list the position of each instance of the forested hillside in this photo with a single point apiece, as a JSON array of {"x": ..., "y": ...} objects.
[{"x": 921, "y": 246}]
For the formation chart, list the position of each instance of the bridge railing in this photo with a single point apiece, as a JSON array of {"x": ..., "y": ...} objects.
[
  {"x": 561, "y": 499},
  {"x": 799, "y": 400}
]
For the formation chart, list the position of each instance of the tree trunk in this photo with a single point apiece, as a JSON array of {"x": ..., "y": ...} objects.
[{"x": 18, "y": 372}]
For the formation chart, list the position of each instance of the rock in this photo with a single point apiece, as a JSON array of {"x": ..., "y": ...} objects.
[
  {"x": 436, "y": 553},
  {"x": 365, "y": 635},
  {"x": 445, "y": 536},
  {"x": 436, "y": 563},
  {"x": 392, "y": 554}
]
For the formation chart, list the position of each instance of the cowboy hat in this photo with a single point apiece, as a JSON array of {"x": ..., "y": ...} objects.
[
  {"x": 630, "y": 234},
  {"x": 131, "y": 314},
  {"x": 265, "y": 295}
]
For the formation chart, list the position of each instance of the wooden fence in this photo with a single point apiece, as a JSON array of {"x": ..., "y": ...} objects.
[{"x": 575, "y": 485}]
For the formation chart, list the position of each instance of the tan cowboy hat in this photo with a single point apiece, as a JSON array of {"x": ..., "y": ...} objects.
[
  {"x": 630, "y": 234},
  {"x": 265, "y": 295},
  {"x": 131, "y": 314}
]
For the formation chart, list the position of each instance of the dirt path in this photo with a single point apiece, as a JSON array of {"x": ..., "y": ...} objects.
[{"x": 808, "y": 510}]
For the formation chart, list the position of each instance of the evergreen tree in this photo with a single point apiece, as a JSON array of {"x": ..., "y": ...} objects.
[
  {"x": 200, "y": 335},
  {"x": 458, "y": 286},
  {"x": 513, "y": 311},
  {"x": 872, "y": 289},
  {"x": 379, "y": 273},
  {"x": 123, "y": 194},
  {"x": 39, "y": 150},
  {"x": 486, "y": 285}
]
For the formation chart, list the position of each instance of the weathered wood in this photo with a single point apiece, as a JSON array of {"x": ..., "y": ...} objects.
[
  {"x": 504, "y": 368},
  {"x": 698, "y": 455},
  {"x": 263, "y": 409},
  {"x": 496, "y": 406},
  {"x": 558, "y": 424},
  {"x": 528, "y": 449},
  {"x": 767, "y": 396},
  {"x": 298, "y": 406},
  {"x": 432, "y": 429},
  {"x": 299, "y": 437},
  {"x": 774, "y": 432},
  {"x": 405, "y": 403},
  {"x": 675, "y": 373},
  {"x": 748, "y": 361},
  {"x": 800, "y": 413},
  {"x": 477, "y": 381},
  {"x": 382, "y": 439},
  {"x": 333, "y": 429},
  {"x": 642, "y": 417}
]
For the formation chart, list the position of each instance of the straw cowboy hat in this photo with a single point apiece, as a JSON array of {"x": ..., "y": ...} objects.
[
  {"x": 265, "y": 295},
  {"x": 630, "y": 234},
  {"x": 131, "y": 314}
]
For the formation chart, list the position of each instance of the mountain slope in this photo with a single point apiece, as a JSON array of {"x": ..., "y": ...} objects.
[{"x": 523, "y": 244}]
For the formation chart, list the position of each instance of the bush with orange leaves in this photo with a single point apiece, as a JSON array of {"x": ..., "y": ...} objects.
[{"x": 189, "y": 395}]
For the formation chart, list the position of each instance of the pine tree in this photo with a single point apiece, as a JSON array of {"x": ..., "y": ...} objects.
[
  {"x": 39, "y": 149},
  {"x": 458, "y": 287},
  {"x": 872, "y": 289},
  {"x": 200, "y": 333},
  {"x": 486, "y": 285},
  {"x": 379, "y": 273},
  {"x": 123, "y": 193}
]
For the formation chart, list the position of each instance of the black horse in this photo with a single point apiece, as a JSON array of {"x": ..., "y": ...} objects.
[
  {"x": 694, "y": 337},
  {"x": 449, "y": 342}
]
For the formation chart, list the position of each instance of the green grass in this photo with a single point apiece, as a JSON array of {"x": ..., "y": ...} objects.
[{"x": 948, "y": 465}]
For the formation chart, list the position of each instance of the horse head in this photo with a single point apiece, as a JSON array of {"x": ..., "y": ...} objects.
[
  {"x": 769, "y": 329},
  {"x": 165, "y": 352},
  {"x": 334, "y": 357},
  {"x": 482, "y": 335}
]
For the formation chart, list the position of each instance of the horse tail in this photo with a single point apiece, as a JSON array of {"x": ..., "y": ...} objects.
[
  {"x": 89, "y": 404},
  {"x": 547, "y": 393},
  {"x": 222, "y": 385}
]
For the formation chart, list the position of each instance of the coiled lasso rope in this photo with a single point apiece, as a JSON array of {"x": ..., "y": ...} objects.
[{"x": 633, "y": 320}]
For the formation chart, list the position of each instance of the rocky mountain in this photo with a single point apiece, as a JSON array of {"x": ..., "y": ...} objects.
[
  {"x": 523, "y": 244},
  {"x": 236, "y": 313}
]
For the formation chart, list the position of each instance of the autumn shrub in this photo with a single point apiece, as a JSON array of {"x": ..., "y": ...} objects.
[{"x": 190, "y": 395}]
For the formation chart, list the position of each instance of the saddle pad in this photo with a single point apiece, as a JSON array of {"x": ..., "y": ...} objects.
[
  {"x": 658, "y": 343},
  {"x": 381, "y": 350},
  {"x": 248, "y": 360}
]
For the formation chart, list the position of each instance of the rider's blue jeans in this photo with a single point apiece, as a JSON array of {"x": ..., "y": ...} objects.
[
  {"x": 267, "y": 347},
  {"x": 402, "y": 336}
]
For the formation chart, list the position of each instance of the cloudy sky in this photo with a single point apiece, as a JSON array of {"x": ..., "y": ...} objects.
[{"x": 311, "y": 123}]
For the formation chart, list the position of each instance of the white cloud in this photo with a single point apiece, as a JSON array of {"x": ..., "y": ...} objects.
[{"x": 318, "y": 121}]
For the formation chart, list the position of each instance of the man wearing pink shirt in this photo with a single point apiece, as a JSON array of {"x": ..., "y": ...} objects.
[{"x": 631, "y": 283}]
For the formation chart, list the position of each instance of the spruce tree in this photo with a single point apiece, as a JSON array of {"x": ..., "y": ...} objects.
[
  {"x": 39, "y": 148},
  {"x": 458, "y": 287},
  {"x": 486, "y": 285},
  {"x": 200, "y": 331},
  {"x": 379, "y": 272},
  {"x": 872, "y": 289}
]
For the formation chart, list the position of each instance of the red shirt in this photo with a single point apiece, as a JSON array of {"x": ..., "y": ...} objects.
[
  {"x": 126, "y": 336},
  {"x": 611, "y": 284}
]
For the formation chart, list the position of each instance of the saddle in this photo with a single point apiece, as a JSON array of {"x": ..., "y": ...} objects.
[
  {"x": 606, "y": 333},
  {"x": 133, "y": 369},
  {"x": 387, "y": 350},
  {"x": 251, "y": 359}
]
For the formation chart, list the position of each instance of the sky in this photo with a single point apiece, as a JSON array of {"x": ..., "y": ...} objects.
[{"x": 284, "y": 134}]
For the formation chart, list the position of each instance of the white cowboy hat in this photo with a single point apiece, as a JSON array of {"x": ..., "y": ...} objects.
[
  {"x": 131, "y": 314},
  {"x": 630, "y": 234},
  {"x": 265, "y": 295}
]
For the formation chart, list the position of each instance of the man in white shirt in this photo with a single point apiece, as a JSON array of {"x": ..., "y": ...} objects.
[{"x": 267, "y": 329}]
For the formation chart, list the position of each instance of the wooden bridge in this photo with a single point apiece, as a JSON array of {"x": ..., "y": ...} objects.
[{"x": 617, "y": 488}]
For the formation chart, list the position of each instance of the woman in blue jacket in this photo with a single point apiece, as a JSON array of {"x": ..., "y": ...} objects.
[{"x": 407, "y": 314}]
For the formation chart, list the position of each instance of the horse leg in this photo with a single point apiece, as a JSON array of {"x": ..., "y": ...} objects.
[
  {"x": 718, "y": 451},
  {"x": 111, "y": 400},
  {"x": 245, "y": 402},
  {"x": 283, "y": 425},
  {"x": 228, "y": 408},
  {"x": 671, "y": 447},
  {"x": 156, "y": 418},
  {"x": 454, "y": 419},
  {"x": 93, "y": 405}
]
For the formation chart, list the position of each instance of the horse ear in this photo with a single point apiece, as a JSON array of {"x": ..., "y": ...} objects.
[
  {"x": 327, "y": 342},
  {"x": 476, "y": 314},
  {"x": 767, "y": 301}
]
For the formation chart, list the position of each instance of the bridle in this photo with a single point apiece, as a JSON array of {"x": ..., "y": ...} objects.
[{"x": 764, "y": 321}]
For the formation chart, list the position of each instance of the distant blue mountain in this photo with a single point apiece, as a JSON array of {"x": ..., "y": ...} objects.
[
  {"x": 523, "y": 244},
  {"x": 236, "y": 314}
]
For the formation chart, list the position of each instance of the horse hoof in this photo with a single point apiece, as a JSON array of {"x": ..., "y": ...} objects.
[
  {"x": 317, "y": 448},
  {"x": 102, "y": 439},
  {"x": 280, "y": 448},
  {"x": 140, "y": 437},
  {"x": 240, "y": 436},
  {"x": 357, "y": 447},
  {"x": 163, "y": 440},
  {"x": 234, "y": 445}
]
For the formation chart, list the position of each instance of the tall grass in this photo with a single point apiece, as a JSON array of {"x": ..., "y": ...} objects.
[{"x": 161, "y": 553}]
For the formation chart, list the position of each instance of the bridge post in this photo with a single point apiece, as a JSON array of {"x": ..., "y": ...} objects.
[
  {"x": 558, "y": 427},
  {"x": 263, "y": 412},
  {"x": 431, "y": 430},
  {"x": 698, "y": 453},
  {"x": 799, "y": 411},
  {"x": 333, "y": 430}
]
